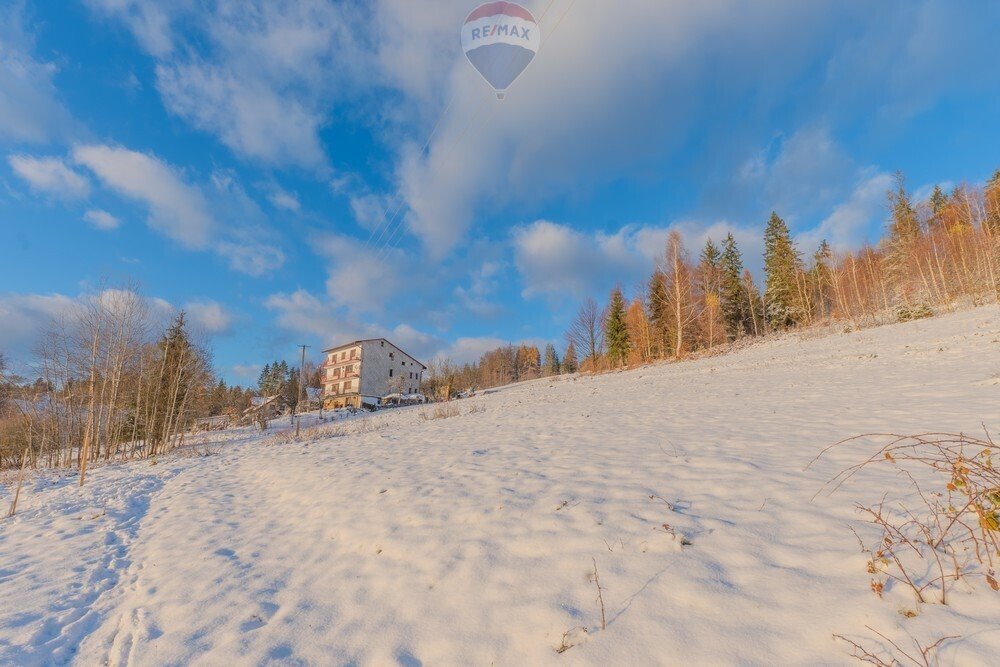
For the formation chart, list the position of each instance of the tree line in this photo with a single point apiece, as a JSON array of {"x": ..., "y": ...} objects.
[
  {"x": 934, "y": 255},
  {"x": 114, "y": 381}
]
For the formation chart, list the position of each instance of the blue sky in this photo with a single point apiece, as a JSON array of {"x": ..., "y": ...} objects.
[{"x": 236, "y": 158}]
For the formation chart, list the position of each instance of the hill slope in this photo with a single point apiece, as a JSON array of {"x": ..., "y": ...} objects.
[{"x": 470, "y": 540}]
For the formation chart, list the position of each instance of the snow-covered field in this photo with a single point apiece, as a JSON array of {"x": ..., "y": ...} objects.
[{"x": 470, "y": 540}]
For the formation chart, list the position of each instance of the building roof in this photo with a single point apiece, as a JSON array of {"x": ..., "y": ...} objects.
[{"x": 372, "y": 340}]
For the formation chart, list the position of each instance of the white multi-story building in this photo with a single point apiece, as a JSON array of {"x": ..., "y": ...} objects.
[{"x": 365, "y": 371}]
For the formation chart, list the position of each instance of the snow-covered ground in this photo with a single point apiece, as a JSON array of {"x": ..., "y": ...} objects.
[{"x": 470, "y": 540}]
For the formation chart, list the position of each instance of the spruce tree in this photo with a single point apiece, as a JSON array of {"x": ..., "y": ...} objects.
[
  {"x": 905, "y": 225},
  {"x": 551, "y": 366},
  {"x": 782, "y": 265},
  {"x": 180, "y": 364},
  {"x": 263, "y": 382},
  {"x": 938, "y": 201},
  {"x": 710, "y": 287},
  {"x": 658, "y": 316},
  {"x": 735, "y": 307},
  {"x": 570, "y": 364},
  {"x": 616, "y": 330}
]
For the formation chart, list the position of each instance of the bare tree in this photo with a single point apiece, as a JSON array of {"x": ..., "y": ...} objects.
[
  {"x": 682, "y": 310},
  {"x": 585, "y": 331}
]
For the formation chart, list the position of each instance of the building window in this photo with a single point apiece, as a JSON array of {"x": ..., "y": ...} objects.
[
  {"x": 354, "y": 354},
  {"x": 383, "y": 343},
  {"x": 390, "y": 372},
  {"x": 347, "y": 386},
  {"x": 392, "y": 355}
]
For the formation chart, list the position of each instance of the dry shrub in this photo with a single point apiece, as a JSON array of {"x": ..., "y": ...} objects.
[
  {"x": 895, "y": 655},
  {"x": 449, "y": 410},
  {"x": 952, "y": 532}
]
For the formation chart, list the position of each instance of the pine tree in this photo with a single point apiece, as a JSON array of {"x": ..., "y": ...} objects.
[
  {"x": 658, "y": 316},
  {"x": 905, "y": 226},
  {"x": 551, "y": 366},
  {"x": 735, "y": 308},
  {"x": 181, "y": 366},
  {"x": 782, "y": 266},
  {"x": 938, "y": 202},
  {"x": 901, "y": 241},
  {"x": 570, "y": 364},
  {"x": 263, "y": 382},
  {"x": 710, "y": 288},
  {"x": 616, "y": 331}
]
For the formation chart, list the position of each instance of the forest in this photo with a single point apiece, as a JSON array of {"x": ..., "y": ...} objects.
[{"x": 935, "y": 255}]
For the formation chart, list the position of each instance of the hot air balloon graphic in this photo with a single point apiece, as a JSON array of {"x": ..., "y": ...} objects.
[{"x": 500, "y": 39}]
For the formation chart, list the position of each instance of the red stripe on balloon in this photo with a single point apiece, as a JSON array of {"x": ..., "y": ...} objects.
[{"x": 500, "y": 8}]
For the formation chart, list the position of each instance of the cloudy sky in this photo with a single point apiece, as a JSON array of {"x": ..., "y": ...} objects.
[{"x": 311, "y": 171}]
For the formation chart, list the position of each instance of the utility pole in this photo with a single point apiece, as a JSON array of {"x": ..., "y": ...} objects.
[{"x": 298, "y": 399}]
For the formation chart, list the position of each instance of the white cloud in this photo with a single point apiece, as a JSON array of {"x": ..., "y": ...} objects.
[
  {"x": 247, "y": 372},
  {"x": 285, "y": 200},
  {"x": 219, "y": 216},
  {"x": 251, "y": 258},
  {"x": 261, "y": 75},
  {"x": 30, "y": 108},
  {"x": 25, "y": 315},
  {"x": 304, "y": 313},
  {"x": 361, "y": 278},
  {"x": 176, "y": 209},
  {"x": 807, "y": 172},
  {"x": 102, "y": 220},
  {"x": 555, "y": 259},
  {"x": 851, "y": 221},
  {"x": 50, "y": 175},
  {"x": 149, "y": 21},
  {"x": 469, "y": 349},
  {"x": 475, "y": 297},
  {"x": 209, "y": 316},
  {"x": 251, "y": 118}
]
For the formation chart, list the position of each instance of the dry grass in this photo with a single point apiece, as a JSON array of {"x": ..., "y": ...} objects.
[{"x": 449, "y": 410}]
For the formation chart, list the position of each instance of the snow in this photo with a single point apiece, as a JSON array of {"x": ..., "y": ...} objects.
[{"x": 401, "y": 538}]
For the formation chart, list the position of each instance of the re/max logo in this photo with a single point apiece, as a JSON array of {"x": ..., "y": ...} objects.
[{"x": 501, "y": 29}]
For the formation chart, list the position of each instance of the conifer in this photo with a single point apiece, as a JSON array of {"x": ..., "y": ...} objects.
[
  {"x": 905, "y": 226},
  {"x": 735, "y": 308},
  {"x": 658, "y": 316},
  {"x": 938, "y": 201},
  {"x": 710, "y": 287},
  {"x": 781, "y": 265},
  {"x": 570, "y": 364},
  {"x": 551, "y": 365},
  {"x": 616, "y": 330}
]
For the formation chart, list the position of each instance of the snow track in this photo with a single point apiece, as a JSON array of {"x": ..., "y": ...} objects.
[{"x": 469, "y": 540}]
